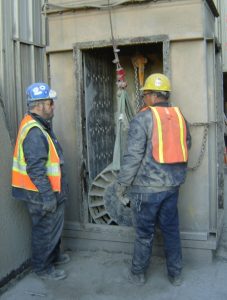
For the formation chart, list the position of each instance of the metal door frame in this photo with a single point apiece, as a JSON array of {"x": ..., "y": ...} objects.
[{"x": 78, "y": 49}]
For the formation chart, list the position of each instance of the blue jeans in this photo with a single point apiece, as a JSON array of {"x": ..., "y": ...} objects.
[
  {"x": 46, "y": 236},
  {"x": 151, "y": 209}
]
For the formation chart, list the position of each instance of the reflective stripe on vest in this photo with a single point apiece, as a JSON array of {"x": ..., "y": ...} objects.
[
  {"x": 169, "y": 135},
  {"x": 20, "y": 177}
]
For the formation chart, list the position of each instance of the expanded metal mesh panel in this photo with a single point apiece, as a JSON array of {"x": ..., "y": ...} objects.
[{"x": 98, "y": 89}]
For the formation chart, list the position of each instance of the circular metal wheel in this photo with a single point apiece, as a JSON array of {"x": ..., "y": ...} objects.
[{"x": 104, "y": 206}]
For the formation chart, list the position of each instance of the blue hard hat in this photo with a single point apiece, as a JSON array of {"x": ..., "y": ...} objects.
[{"x": 40, "y": 91}]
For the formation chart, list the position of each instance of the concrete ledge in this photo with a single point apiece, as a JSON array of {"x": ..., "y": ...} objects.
[
  {"x": 120, "y": 239},
  {"x": 190, "y": 255}
]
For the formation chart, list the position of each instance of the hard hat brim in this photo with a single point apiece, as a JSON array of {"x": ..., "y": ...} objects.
[{"x": 146, "y": 89}]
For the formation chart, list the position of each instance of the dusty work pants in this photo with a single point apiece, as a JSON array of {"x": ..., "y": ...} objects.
[
  {"x": 46, "y": 236},
  {"x": 151, "y": 209}
]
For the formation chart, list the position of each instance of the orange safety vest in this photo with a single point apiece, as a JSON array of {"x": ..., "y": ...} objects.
[
  {"x": 20, "y": 177},
  {"x": 169, "y": 135}
]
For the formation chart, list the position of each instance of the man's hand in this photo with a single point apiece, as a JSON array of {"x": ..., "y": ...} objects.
[
  {"x": 121, "y": 193},
  {"x": 50, "y": 205}
]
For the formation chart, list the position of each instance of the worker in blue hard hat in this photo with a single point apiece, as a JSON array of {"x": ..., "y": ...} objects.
[
  {"x": 39, "y": 178},
  {"x": 40, "y": 96}
]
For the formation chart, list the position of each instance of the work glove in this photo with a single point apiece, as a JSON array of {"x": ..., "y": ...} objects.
[
  {"x": 50, "y": 205},
  {"x": 121, "y": 193}
]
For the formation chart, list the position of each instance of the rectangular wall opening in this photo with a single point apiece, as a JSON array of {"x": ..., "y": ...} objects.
[{"x": 99, "y": 109}]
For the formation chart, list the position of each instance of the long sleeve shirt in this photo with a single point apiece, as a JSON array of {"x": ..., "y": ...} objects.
[
  {"x": 139, "y": 170},
  {"x": 36, "y": 151}
]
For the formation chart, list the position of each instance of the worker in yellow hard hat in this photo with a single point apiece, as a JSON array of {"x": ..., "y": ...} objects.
[
  {"x": 153, "y": 168},
  {"x": 157, "y": 82},
  {"x": 156, "y": 85}
]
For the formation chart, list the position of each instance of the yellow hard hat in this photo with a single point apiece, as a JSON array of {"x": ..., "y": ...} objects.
[{"x": 157, "y": 82}]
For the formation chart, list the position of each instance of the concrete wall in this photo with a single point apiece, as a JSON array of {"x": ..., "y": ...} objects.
[
  {"x": 65, "y": 121},
  {"x": 192, "y": 70},
  {"x": 130, "y": 21},
  {"x": 188, "y": 93},
  {"x": 14, "y": 221}
]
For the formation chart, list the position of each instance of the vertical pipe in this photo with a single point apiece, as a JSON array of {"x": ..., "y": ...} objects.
[{"x": 212, "y": 134}]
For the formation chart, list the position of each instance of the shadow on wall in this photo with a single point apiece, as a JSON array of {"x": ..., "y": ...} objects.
[{"x": 14, "y": 220}]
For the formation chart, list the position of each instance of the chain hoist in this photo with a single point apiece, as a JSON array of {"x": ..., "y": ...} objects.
[
  {"x": 139, "y": 62},
  {"x": 137, "y": 92}
]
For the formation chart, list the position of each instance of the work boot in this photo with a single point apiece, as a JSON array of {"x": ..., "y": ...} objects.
[
  {"x": 52, "y": 274},
  {"x": 62, "y": 259},
  {"x": 137, "y": 279},
  {"x": 176, "y": 280}
]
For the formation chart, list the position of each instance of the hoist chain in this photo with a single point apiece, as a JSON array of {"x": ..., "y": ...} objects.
[
  {"x": 204, "y": 141},
  {"x": 138, "y": 104}
]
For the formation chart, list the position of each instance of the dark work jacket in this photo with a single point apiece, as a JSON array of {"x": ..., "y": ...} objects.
[
  {"x": 139, "y": 170},
  {"x": 36, "y": 150}
]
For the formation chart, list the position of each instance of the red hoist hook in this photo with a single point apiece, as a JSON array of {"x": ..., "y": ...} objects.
[
  {"x": 120, "y": 72},
  {"x": 121, "y": 82}
]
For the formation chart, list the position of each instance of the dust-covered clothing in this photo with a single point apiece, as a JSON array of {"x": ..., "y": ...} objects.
[
  {"x": 153, "y": 189},
  {"x": 46, "y": 226},
  {"x": 149, "y": 209},
  {"x": 35, "y": 148},
  {"x": 139, "y": 170}
]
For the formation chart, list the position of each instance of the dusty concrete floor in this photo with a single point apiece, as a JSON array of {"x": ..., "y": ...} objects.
[{"x": 103, "y": 276}]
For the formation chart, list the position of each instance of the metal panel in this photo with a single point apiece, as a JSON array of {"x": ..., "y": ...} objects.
[
  {"x": 224, "y": 33},
  {"x": 218, "y": 20},
  {"x": 37, "y": 24},
  {"x": 22, "y": 58},
  {"x": 8, "y": 92},
  {"x": 99, "y": 112},
  {"x": 39, "y": 54},
  {"x": 15, "y": 20},
  {"x": 25, "y": 26},
  {"x": 26, "y": 71},
  {"x": 19, "y": 108}
]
